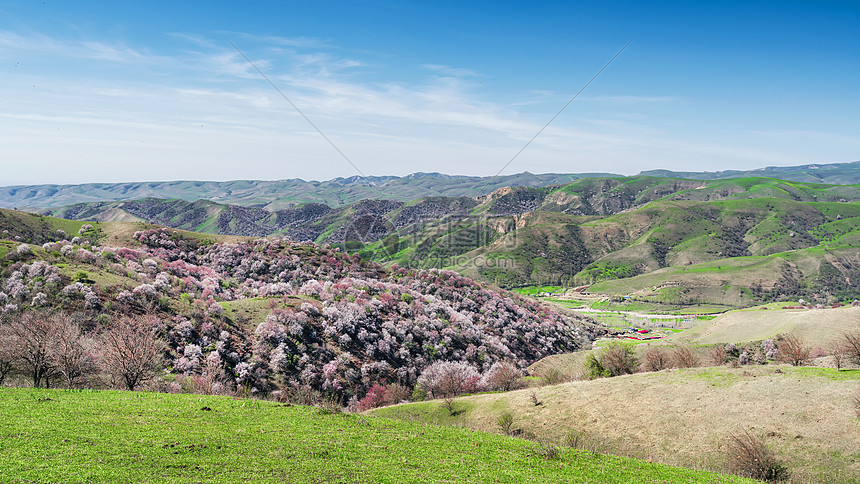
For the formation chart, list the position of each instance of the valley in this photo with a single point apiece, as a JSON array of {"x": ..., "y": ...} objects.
[
  {"x": 430, "y": 242},
  {"x": 729, "y": 243},
  {"x": 519, "y": 298}
]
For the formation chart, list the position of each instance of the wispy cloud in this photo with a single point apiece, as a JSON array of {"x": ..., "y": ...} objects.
[
  {"x": 451, "y": 71},
  {"x": 12, "y": 43},
  {"x": 628, "y": 99},
  {"x": 210, "y": 104}
]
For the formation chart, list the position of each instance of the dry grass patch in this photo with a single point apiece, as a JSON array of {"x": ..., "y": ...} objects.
[
  {"x": 683, "y": 417},
  {"x": 817, "y": 326}
]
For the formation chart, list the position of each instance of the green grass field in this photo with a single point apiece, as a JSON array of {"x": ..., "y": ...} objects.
[{"x": 111, "y": 436}]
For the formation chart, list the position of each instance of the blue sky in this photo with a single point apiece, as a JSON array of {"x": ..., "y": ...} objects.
[{"x": 108, "y": 92}]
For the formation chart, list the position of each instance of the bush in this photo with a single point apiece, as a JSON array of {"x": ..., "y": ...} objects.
[
  {"x": 683, "y": 357},
  {"x": 373, "y": 398},
  {"x": 502, "y": 376},
  {"x": 575, "y": 439},
  {"x": 618, "y": 359},
  {"x": 749, "y": 457},
  {"x": 554, "y": 376},
  {"x": 380, "y": 396},
  {"x": 550, "y": 451},
  {"x": 419, "y": 394},
  {"x": 718, "y": 355},
  {"x": 655, "y": 360},
  {"x": 448, "y": 403},
  {"x": 83, "y": 277},
  {"x": 594, "y": 369},
  {"x": 506, "y": 423},
  {"x": 395, "y": 393}
]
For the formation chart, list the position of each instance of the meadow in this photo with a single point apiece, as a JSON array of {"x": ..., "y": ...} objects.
[{"x": 117, "y": 436}]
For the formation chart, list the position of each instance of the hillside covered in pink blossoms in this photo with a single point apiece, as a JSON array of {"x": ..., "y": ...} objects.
[{"x": 321, "y": 319}]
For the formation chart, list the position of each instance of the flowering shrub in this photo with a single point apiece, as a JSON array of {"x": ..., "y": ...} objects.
[
  {"x": 449, "y": 378},
  {"x": 145, "y": 290},
  {"x": 502, "y": 376},
  {"x": 39, "y": 299}
]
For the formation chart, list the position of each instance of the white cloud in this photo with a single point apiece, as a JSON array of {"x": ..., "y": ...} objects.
[
  {"x": 16, "y": 44},
  {"x": 208, "y": 114}
]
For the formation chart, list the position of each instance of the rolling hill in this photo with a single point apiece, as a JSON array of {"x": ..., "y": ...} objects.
[
  {"x": 683, "y": 417},
  {"x": 735, "y": 241},
  {"x": 272, "y": 313}
]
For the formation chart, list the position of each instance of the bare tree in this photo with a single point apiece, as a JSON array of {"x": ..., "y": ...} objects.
[
  {"x": 655, "y": 360},
  {"x": 718, "y": 354},
  {"x": 683, "y": 357},
  {"x": 851, "y": 342},
  {"x": 73, "y": 354},
  {"x": 131, "y": 350},
  {"x": 7, "y": 354},
  {"x": 793, "y": 350},
  {"x": 32, "y": 337},
  {"x": 838, "y": 352}
]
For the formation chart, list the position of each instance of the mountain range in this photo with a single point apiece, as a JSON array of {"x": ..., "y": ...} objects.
[
  {"x": 278, "y": 194},
  {"x": 732, "y": 241}
]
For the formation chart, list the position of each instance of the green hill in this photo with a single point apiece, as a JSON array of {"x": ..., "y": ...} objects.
[
  {"x": 643, "y": 235},
  {"x": 270, "y": 313}
]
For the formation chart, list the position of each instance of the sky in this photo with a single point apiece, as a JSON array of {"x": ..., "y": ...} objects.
[{"x": 152, "y": 91}]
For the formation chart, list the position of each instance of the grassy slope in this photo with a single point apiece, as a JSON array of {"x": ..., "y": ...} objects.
[
  {"x": 725, "y": 280},
  {"x": 683, "y": 416},
  {"x": 819, "y": 326},
  {"x": 88, "y": 436},
  {"x": 35, "y": 227}
]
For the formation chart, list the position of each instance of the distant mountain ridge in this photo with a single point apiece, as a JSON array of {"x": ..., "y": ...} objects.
[
  {"x": 273, "y": 195},
  {"x": 830, "y": 173}
]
